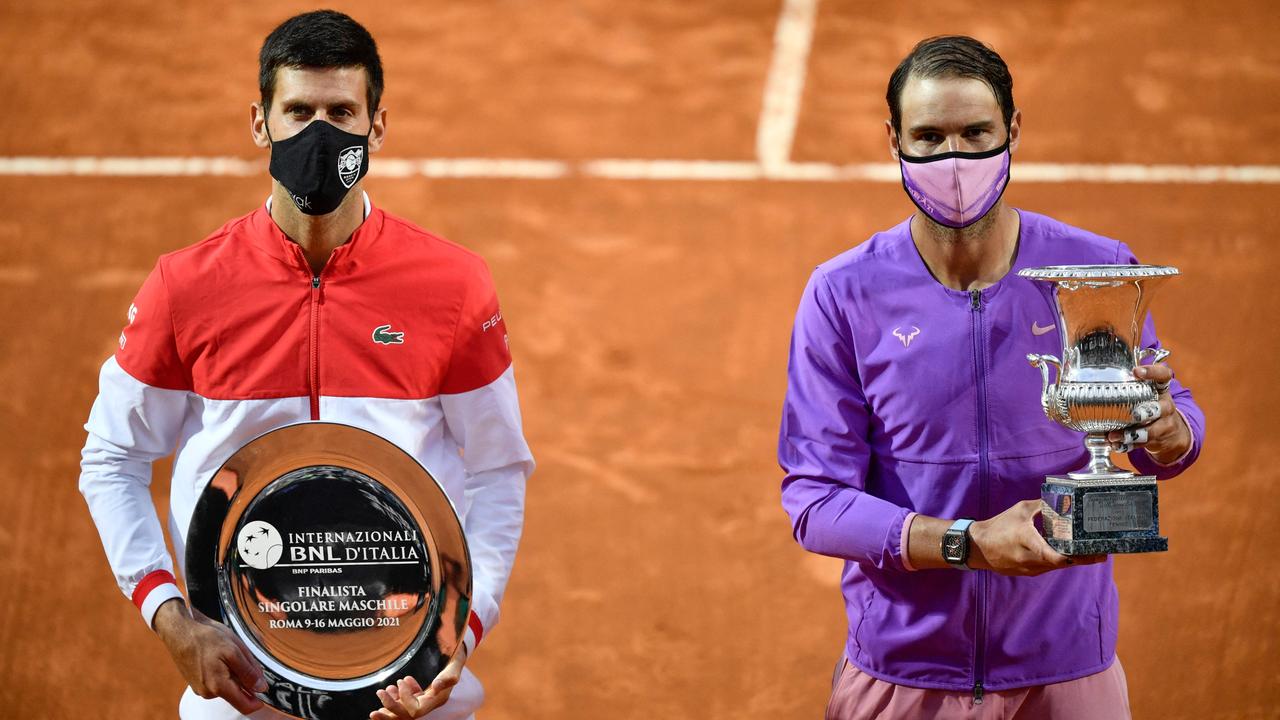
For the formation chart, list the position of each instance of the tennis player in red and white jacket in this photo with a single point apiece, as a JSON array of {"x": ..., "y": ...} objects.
[{"x": 387, "y": 328}]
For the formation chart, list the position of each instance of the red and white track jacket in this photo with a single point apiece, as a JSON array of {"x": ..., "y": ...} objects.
[{"x": 400, "y": 334}]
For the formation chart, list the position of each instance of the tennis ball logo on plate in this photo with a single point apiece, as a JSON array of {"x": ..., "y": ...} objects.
[{"x": 260, "y": 545}]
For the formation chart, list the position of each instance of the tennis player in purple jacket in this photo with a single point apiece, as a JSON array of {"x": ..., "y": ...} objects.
[{"x": 910, "y": 406}]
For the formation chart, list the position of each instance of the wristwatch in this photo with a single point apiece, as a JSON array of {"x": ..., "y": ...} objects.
[{"x": 955, "y": 544}]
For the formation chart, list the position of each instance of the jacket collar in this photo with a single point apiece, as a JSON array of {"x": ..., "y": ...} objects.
[
  {"x": 268, "y": 237},
  {"x": 1025, "y": 255}
]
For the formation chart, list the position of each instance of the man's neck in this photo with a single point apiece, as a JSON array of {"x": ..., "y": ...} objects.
[
  {"x": 969, "y": 258},
  {"x": 317, "y": 235}
]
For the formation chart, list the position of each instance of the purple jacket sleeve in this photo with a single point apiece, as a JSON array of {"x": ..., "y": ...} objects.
[
  {"x": 1182, "y": 399},
  {"x": 822, "y": 445}
]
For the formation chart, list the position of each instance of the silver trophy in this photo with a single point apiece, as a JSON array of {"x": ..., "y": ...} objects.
[
  {"x": 1100, "y": 508},
  {"x": 339, "y": 561}
]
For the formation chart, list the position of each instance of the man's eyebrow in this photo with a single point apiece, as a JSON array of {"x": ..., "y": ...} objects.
[
  {"x": 980, "y": 125},
  {"x": 298, "y": 103}
]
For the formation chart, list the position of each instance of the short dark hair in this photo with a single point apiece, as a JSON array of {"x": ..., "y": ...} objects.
[
  {"x": 952, "y": 56},
  {"x": 320, "y": 39}
]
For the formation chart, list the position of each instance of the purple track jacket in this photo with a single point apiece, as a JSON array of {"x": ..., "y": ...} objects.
[{"x": 905, "y": 395}]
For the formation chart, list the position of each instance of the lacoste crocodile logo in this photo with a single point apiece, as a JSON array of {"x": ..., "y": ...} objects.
[
  {"x": 907, "y": 338},
  {"x": 1037, "y": 330},
  {"x": 383, "y": 336}
]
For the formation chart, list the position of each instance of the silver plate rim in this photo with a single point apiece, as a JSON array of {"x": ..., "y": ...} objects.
[
  {"x": 231, "y": 615},
  {"x": 1097, "y": 272},
  {"x": 205, "y": 587}
]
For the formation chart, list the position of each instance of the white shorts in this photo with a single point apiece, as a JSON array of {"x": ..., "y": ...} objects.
[{"x": 465, "y": 699}]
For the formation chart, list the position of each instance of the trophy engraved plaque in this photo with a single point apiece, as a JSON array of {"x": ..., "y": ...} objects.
[
  {"x": 337, "y": 559},
  {"x": 1100, "y": 508}
]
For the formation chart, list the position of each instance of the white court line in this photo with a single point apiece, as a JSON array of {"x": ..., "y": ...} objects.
[
  {"x": 1128, "y": 173},
  {"x": 470, "y": 168},
  {"x": 240, "y": 167},
  {"x": 637, "y": 169},
  {"x": 738, "y": 170},
  {"x": 784, "y": 85},
  {"x": 19, "y": 275},
  {"x": 131, "y": 166},
  {"x": 672, "y": 169},
  {"x": 110, "y": 278}
]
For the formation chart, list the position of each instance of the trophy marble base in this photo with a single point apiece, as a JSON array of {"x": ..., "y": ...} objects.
[{"x": 1102, "y": 516}]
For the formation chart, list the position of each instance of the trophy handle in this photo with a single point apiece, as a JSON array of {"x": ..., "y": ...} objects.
[
  {"x": 1156, "y": 354},
  {"x": 1046, "y": 392},
  {"x": 1042, "y": 362}
]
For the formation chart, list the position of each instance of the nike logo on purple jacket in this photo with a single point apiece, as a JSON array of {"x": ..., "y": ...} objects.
[{"x": 948, "y": 425}]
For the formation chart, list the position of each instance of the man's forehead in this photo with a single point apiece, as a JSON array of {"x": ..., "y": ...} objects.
[
  {"x": 947, "y": 101},
  {"x": 310, "y": 84}
]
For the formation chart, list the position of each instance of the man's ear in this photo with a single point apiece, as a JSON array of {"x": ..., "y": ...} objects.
[
  {"x": 258, "y": 126},
  {"x": 1015, "y": 130},
  {"x": 378, "y": 130},
  {"x": 893, "y": 139}
]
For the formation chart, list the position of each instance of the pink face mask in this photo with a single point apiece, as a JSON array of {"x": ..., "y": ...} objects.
[{"x": 957, "y": 188}]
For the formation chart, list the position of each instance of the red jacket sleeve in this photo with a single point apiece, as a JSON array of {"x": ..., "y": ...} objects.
[
  {"x": 148, "y": 345},
  {"x": 480, "y": 352}
]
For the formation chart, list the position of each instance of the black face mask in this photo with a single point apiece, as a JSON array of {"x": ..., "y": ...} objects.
[{"x": 319, "y": 165}]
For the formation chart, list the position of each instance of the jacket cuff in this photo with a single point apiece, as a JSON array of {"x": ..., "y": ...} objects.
[
  {"x": 1145, "y": 463},
  {"x": 475, "y": 631},
  {"x": 155, "y": 589},
  {"x": 903, "y": 542}
]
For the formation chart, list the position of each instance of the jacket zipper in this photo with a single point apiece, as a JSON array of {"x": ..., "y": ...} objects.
[
  {"x": 979, "y": 655},
  {"x": 313, "y": 349}
]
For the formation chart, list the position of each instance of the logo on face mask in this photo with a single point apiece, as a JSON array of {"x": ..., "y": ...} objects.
[{"x": 349, "y": 163}]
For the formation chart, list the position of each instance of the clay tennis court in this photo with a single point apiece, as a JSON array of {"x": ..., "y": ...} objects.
[{"x": 650, "y": 305}]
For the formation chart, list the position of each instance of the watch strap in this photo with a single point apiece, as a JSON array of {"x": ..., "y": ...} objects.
[{"x": 959, "y": 527}]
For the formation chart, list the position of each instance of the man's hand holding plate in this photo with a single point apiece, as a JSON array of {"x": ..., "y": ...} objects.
[{"x": 407, "y": 700}]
